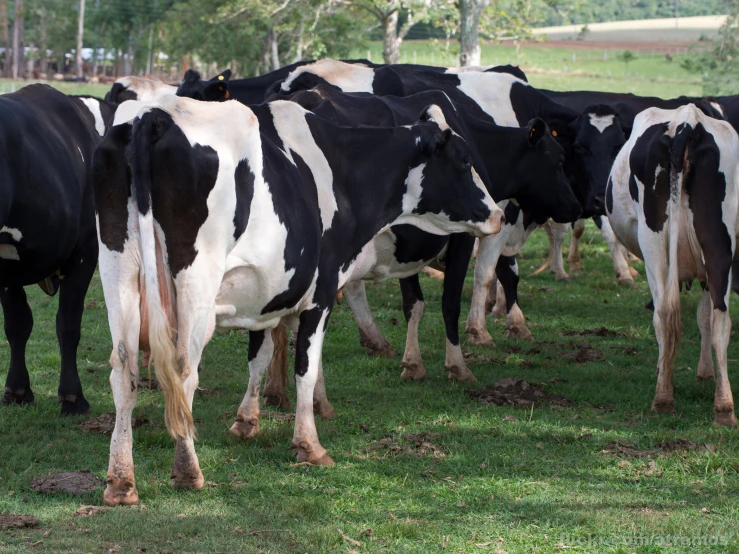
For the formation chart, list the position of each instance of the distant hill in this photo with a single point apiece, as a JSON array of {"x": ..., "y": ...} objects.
[{"x": 597, "y": 11}]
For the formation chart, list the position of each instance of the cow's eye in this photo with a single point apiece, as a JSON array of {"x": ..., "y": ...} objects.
[{"x": 466, "y": 163}]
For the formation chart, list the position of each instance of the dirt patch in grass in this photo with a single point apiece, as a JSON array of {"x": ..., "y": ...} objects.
[
  {"x": 472, "y": 358},
  {"x": 414, "y": 444},
  {"x": 627, "y": 449},
  {"x": 512, "y": 391},
  {"x": 598, "y": 332},
  {"x": 146, "y": 383},
  {"x": 105, "y": 423},
  {"x": 582, "y": 352},
  {"x": 17, "y": 521},
  {"x": 86, "y": 511},
  {"x": 73, "y": 482},
  {"x": 279, "y": 416}
]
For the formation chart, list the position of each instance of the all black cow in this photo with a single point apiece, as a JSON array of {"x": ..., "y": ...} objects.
[{"x": 47, "y": 228}]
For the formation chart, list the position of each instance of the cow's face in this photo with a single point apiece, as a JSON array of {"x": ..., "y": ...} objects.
[
  {"x": 214, "y": 90},
  {"x": 446, "y": 190},
  {"x": 544, "y": 188},
  {"x": 597, "y": 138}
]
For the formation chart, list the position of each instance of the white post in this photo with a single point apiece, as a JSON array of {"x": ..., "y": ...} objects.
[{"x": 80, "y": 31}]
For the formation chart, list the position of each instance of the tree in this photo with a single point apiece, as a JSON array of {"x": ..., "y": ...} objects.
[
  {"x": 469, "y": 21},
  {"x": 19, "y": 46},
  {"x": 80, "y": 32}
]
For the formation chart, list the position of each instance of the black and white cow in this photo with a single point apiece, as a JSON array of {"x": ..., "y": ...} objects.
[
  {"x": 138, "y": 88},
  {"x": 522, "y": 165},
  {"x": 672, "y": 200},
  {"x": 497, "y": 97},
  {"x": 99, "y": 112},
  {"x": 240, "y": 217},
  {"x": 47, "y": 228}
]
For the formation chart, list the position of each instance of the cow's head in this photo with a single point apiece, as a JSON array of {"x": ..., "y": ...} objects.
[
  {"x": 543, "y": 187},
  {"x": 591, "y": 143},
  {"x": 213, "y": 90},
  {"x": 444, "y": 188}
]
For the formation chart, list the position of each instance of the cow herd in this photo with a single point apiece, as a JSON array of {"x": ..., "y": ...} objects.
[{"x": 249, "y": 204}]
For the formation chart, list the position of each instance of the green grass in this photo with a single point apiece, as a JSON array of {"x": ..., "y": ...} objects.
[
  {"x": 519, "y": 486},
  {"x": 565, "y": 69},
  {"x": 99, "y": 90}
]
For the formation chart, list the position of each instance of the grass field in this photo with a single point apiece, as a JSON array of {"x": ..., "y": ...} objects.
[{"x": 490, "y": 479}]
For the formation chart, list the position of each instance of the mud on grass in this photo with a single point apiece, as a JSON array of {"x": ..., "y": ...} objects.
[{"x": 519, "y": 480}]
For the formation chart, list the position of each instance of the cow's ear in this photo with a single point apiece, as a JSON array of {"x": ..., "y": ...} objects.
[
  {"x": 216, "y": 91},
  {"x": 191, "y": 76},
  {"x": 536, "y": 131},
  {"x": 223, "y": 76},
  {"x": 432, "y": 145}
]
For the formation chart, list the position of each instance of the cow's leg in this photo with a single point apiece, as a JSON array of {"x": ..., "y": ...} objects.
[
  {"x": 573, "y": 257},
  {"x": 122, "y": 301},
  {"x": 18, "y": 326},
  {"x": 556, "y": 240},
  {"x": 275, "y": 385},
  {"x": 458, "y": 257},
  {"x": 77, "y": 274},
  {"x": 370, "y": 335},
  {"x": 507, "y": 272},
  {"x": 261, "y": 349},
  {"x": 307, "y": 363},
  {"x": 487, "y": 257},
  {"x": 499, "y": 308},
  {"x": 412, "y": 364},
  {"x": 492, "y": 297},
  {"x": 705, "y": 364},
  {"x": 624, "y": 272},
  {"x": 186, "y": 468},
  {"x": 723, "y": 407},
  {"x": 321, "y": 406}
]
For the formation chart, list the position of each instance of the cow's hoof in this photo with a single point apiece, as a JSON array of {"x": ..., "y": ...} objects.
[
  {"x": 74, "y": 405},
  {"x": 324, "y": 410},
  {"x": 120, "y": 492},
  {"x": 314, "y": 455},
  {"x": 276, "y": 399},
  {"x": 245, "y": 427},
  {"x": 480, "y": 337},
  {"x": 563, "y": 277},
  {"x": 666, "y": 406},
  {"x": 626, "y": 281},
  {"x": 461, "y": 374},
  {"x": 576, "y": 266},
  {"x": 633, "y": 272},
  {"x": 724, "y": 417},
  {"x": 413, "y": 371},
  {"x": 186, "y": 481},
  {"x": 702, "y": 378},
  {"x": 18, "y": 396},
  {"x": 381, "y": 350},
  {"x": 520, "y": 333}
]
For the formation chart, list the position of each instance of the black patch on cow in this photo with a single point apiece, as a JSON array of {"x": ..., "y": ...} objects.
[
  {"x": 111, "y": 178},
  {"x": 706, "y": 189},
  {"x": 514, "y": 70},
  {"x": 511, "y": 212},
  {"x": 303, "y": 229},
  {"x": 413, "y": 245},
  {"x": 652, "y": 150},
  {"x": 598, "y": 220},
  {"x": 244, "y": 194},
  {"x": 609, "y": 195},
  {"x": 256, "y": 339},
  {"x": 178, "y": 177}
]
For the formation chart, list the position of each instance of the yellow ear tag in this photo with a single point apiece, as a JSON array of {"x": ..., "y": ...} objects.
[
  {"x": 531, "y": 133},
  {"x": 227, "y": 95},
  {"x": 554, "y": 133},
  {"x": 220, "y": 77}
]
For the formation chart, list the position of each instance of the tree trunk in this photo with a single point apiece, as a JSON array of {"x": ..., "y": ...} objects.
[
  {"x": 390, "y": 39},
  {"x": 273, "y": 47},
  {"x": 300, "y": 46},
  {"x": 42, "y": 44},
  {"x": 469, "y": 20},
  {"x": 80, "y": 69},
  {"x": 6, "y": 36},
  {"x": 18, "y": 43}
]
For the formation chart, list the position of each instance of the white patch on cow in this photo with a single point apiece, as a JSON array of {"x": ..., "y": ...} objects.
[
  {"x": 469, "y": 69},
  {"x": 81, "y": 155},
  {"x": 147, "y": 89},
  {"x": 414, "y": 190},
  {"x": 290, "y": 123},
  {"x": 436, "y": 114},
  {"x": 418, "y": 140},
  {"x": 492, "y": 92},
  {"x": 718, "y": 107},
  {"x": 9, "y": 252},
  {"x": 601, "y": 122},
  {"x": 349, "y": 77},
  {"x": 15, "y": 233},
  {"x": 94, "y": 107}
]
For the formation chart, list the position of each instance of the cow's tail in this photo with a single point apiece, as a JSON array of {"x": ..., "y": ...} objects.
[
  {"x": 669, "y": 308},
  {"x": 160, "y": 293}
]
